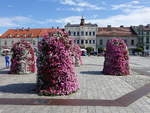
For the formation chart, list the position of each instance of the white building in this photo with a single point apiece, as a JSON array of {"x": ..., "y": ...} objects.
[
  {"x": 84, "y": 34},
  {"x": 126, "y": 33},
  {"x": 143, "y": 37}
]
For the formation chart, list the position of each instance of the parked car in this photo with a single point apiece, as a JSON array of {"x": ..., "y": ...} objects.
[
  {"x": 93, "y": 53},
  {"x": 84, "y": 52}
]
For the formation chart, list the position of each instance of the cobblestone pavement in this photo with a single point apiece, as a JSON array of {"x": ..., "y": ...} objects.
[
  {"x": 93, "y": 86},
  {"x": 141, "y": 65}
]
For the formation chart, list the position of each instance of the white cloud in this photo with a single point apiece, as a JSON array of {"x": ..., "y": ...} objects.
[
  {"x": 132, "y": 4},
  {"x": 68, "y": 2},
  {"x": 81, "y": 4},
  {"x": 136, "y": 17},
  {"x": 71, "y": 19},
  {"x": 77, "y": 9},
  {"x": 14, "y": 21}
]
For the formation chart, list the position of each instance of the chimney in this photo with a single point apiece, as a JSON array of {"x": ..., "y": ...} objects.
[
  {"x": 57, "y": 27},
  {"x": 109, "y": 27},
  {"x": 28, "y": 28},
  {"x": 121, "y": 26}
]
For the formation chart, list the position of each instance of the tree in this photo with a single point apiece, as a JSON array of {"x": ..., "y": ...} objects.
[
  {"x": 89, "y": 49},
  {"x": 100, "y": 50},
  {"x": 139, "y": 49}
]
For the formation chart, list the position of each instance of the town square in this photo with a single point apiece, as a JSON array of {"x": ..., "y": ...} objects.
[
  {"x": 95, "y": 89},
  {"x": 75, "y": 56}
]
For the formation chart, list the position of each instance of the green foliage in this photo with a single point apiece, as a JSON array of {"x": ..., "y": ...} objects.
[
  {"x": 100, "y": 50},
  {"x": 89, "y": 49},
  {"x": 139, "y": 49}
]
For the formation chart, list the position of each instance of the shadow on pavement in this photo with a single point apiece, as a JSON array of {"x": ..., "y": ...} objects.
[
  {"x": 123, "y": 101},
  {"x": 22, "y": 88},
  {"x": 92, "y": 72},
  {"x": 4, "y": 70},
  {"x": 91, "y": 65}
]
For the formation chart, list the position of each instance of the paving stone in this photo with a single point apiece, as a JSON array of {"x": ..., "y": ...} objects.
[{"x": 93, "y": 86}]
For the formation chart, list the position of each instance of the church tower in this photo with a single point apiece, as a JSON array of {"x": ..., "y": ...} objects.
[{"x": 82, "y": 21}]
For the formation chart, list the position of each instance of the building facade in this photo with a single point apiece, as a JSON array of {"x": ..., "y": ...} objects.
[
  {"x": 32, "y": 35},
  {"x": 106, "y": 33},
  {"x": 143, "y": 37},
  {"x": 84, "y": 34}
]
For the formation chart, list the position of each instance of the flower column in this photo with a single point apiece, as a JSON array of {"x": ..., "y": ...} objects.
[
  {"x": 23, "y": 59},
  {"x": 116, "y": 58},
  {"x": 55, "y": 74}
]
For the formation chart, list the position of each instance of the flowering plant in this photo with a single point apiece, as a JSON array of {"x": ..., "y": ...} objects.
[
  {"x": 56, "y": 74},
  {"x": 23, "y": 59},
  {"x": 76, "y": 51},
  {"x": 116, "y": 58}
]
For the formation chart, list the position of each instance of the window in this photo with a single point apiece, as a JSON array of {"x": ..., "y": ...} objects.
[
  {"x": 25, "y": 35},
  {"x": 78, "y": 34},
  {"x": 147, "y": 33},
  {"x": 10, "y": 36},
  {"x": 34, "y": 42},
  {"x": 147, "y": 39},
  {"x": 74, "y": 41},
  {"x": 147, "y": 47},
  {"x": 29, "y": 35},
  {"x": 12, "y": 42},
  {"x": 82, "y": 41},
  {"x": 86, "y": 33},
  {"x": 86, "y": 41},
  {"x": 93, "y": 33},
  {"x": 78, "y": 41},
  {"x": 132, "y": 42},
  {"x": 82, "y": 33},
  {"x": 90, "y": 33},
  {"x": 90, "y": 41},
  {"x": 101, "y": 42},
  {"x": 93, "y": 41},
  {"x": 5, "y": 43},
  {"x": 74, "y": 33}
]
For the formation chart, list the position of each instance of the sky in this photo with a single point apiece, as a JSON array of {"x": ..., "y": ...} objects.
[{"x": 52, "y": 13}]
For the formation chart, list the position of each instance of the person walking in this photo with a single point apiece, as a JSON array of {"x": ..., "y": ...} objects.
[{"x": 7, "y": 60}]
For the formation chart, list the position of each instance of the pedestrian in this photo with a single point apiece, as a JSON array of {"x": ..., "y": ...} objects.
[{"x": 7, "y": 60}]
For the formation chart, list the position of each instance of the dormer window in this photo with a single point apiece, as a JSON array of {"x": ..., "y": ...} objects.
[
  {"x": 10, "y": 35},
  {"x": 12, "y": 42},
  {"x": 5, "y": 43},
  {"x": 30, "y": 35},
  {"x": 18, "y": 35},
  {"x": 25, "y": 35}
]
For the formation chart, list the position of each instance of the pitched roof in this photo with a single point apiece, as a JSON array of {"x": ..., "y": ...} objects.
[
  {"x": 115, "y": 31},
  {"x": 78, "y": 25},
  {"x": 27, "y": 33}
]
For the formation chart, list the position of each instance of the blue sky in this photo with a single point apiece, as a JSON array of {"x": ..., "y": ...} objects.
[{"x": 48, "y": 13}]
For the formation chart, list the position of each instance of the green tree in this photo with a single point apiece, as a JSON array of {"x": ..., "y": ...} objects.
[
  {"x": 100, "y": 50},
  {"x": 89, "y": 49},
  {"x": 139, "y": 49}
]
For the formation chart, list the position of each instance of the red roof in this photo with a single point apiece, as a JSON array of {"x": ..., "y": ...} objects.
[
  {"x": 115, "y": 31},
  {"x": 27, "y": 33}
]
